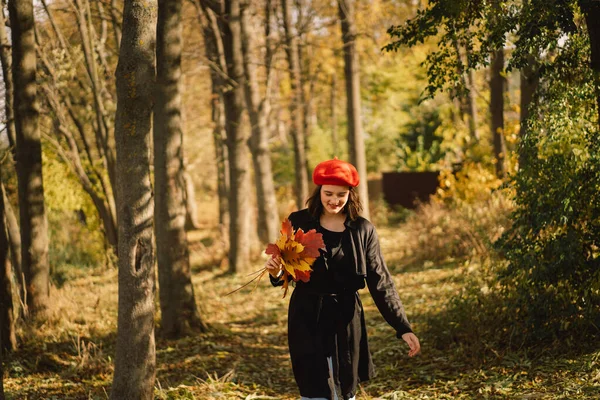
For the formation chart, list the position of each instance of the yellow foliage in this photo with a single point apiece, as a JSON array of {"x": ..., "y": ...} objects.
[{"x": 473, "y": 183}]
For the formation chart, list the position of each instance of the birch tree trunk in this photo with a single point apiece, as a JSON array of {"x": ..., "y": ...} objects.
[
  {"x": 258, "y": 109},
  {"x": 135, "y": 360},
  {"x": 356, "y": 144},
  {"x": 34, "y": 226},
  {"x": 177, "y": 302},
  {"x": 296, "y": 108},
  {"x": 497, "y": 111}
]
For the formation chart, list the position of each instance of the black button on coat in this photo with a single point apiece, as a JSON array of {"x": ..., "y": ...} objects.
[{"x": 314, "y": 313}]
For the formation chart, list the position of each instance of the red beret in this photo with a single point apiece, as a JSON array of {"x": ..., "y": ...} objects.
[{"x": 335, "y": 172}]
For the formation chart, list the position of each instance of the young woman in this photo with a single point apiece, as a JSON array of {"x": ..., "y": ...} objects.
[{"x": 327, "y": 335}]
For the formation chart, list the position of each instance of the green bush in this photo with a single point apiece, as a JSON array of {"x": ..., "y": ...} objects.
[{"x": 553, "y": 275}]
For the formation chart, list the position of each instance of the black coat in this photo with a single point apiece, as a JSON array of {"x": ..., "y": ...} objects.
[{"x": 321, "y": 323}]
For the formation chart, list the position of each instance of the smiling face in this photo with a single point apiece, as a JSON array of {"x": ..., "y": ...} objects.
[{"x": 334, "y": 198}]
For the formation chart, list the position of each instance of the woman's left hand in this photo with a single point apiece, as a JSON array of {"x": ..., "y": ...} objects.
[{"x": 413, "y": 342}]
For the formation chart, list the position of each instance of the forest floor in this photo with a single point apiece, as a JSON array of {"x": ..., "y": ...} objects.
[{"x": 244, "y": 353}]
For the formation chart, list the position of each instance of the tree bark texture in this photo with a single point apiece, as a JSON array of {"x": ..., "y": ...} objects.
[
  {"x": 14, "y": 241},
  {"x": 234, "y": 102},
  {"x": 8, "y": 335},
  {"x": 268, "y": 216},
  {"x": 177, "y": 302},
  {"x": 529, "y": 83},
  {"x": 191, "y": 208},
  {"x": 102, "y": 124},
  {"x": 356, "y": 143},
  {"x": 5, "y": 59},
  {"x": 468, "y": 104},
  {"x": 215, "y": 53},
  {"x": 334, "y": 118},
  {"x": 34, "y": 225},
  {"x": 497, "y": 111},
  {"x": 135, "y": 360},
  {"x": 296, "y": 107}
]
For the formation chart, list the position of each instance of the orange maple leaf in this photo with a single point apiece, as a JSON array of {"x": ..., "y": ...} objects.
[{"x": 297, "y": 251}]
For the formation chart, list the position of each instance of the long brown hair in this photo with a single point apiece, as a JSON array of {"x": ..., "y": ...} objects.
[{"x": 352, "y": 208}]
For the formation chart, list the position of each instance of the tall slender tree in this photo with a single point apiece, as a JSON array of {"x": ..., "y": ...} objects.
[
  {"x": 34, "y": 225},
  {"x": 334, "y": 117},
  {"x": 135, "y": 360},
  {"x": 258, "y": 109},
  {"x": 234, "y": 103},
  {"x": 528, "y": 84},
  {"x": 215, "y": 55},
  {"x": 356, "y": 142},
  {"x": 8, "y": 337},
  {"x": 296, "y": 106},
  {"x": 177, "y": 303},
  {"x": 497, "y": 111},
  {"x": 12, "y": 226}
]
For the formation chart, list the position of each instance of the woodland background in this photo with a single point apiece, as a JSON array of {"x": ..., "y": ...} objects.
[{"x": 150, "y": 150}]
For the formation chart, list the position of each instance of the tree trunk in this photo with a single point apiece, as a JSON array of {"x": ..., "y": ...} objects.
[
  {"x": 529, "y": 83},
  {"x": 177, "y": 302},
  {"x": 334, "y": 120},
  {"x": 5, "y": 58},
  {"x": 239, "y": 226},
  {"x": 14, "y": 235},
  {"x": 8, "y": 336},
  {"x": 268, "y": 216},
  {"x": 468, "y": 106},
  {"x": 591, "y": 11},
  {"x": 135, "y": 360},
  {"x": 356, "y": 144},
  {"x": 472, "y": 106},
  {"x": 34, "y": 226},
  {"x": 497, "y": 111},
  {"x": 97, "y": 87},
  {"x": 213, "y": 47},
  {"x": 14, "y": 240},
  {"x": 191, "y": 209},
  {"x": 296, "y": 108}
]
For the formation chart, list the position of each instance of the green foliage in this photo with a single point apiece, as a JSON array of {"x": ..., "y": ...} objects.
[
  {"x": 75, "y": 234},
  {"x": 553, "y": 244},
  {"x": 480, "y": 28},
  {"x": 403, "y": 132},
  {"x": 282, "y": 157},
  {"x": 419, "y": 148}
]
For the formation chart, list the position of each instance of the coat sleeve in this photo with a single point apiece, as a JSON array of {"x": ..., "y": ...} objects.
[
  {"x": 382, "y": 288},
  {"x": 276, "y": 281}
]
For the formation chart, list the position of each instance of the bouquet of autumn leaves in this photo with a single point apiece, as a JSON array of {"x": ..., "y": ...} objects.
[{"x": 297, "y": 252}]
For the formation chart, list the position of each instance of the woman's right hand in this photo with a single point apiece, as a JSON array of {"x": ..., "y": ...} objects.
[{"x": 273, "y": 265}]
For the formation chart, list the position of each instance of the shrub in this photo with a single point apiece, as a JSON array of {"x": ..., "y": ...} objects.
[
  {"x": 552, "y": 247},
  {"x": 463, "y": 219}
]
